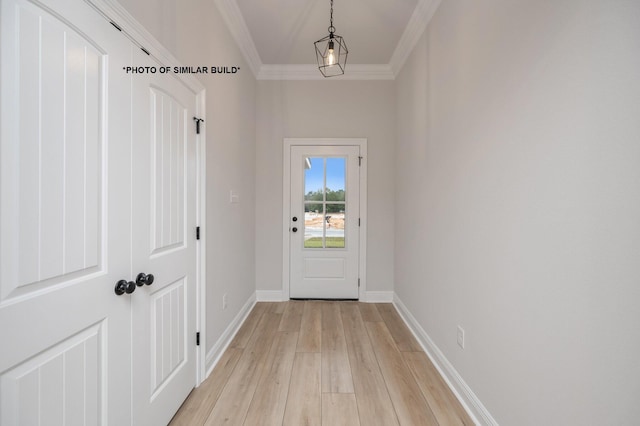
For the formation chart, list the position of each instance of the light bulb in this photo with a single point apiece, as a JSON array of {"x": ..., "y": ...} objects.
[{"x": 331, "y": 57}]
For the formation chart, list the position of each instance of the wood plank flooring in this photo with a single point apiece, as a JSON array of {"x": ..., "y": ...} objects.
[{"x": 325, "y": 364}]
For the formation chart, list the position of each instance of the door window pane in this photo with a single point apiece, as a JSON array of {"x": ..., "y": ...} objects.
[
  {"x": 314, "y": 179},
  {"x": 313, "y": 227},
  {"x": 336, "y": 177},
  {"x": 335, "y": 228},
  {"x": 325, "y": 202}
]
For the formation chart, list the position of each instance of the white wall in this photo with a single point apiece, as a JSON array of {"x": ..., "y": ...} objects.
[
  {"x": 197, "y": 35},
  {"x": 341, "y": 109},
  {"x": 518, "y": 203}
]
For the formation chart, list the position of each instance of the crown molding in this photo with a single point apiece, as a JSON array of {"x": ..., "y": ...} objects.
[
  {"x": 310, "y": 72},
  {"x": 424, "y": 11},
  {"x": 418, "y": 23},
  {"x": 238, "y": 27}
]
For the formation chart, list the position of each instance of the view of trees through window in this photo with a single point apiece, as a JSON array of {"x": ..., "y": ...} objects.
[{"x": 332, "y": 196}]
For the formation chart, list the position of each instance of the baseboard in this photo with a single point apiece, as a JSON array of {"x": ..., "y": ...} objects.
[
  {"x": 459, "y": 387},
  {"x": 378, "y": 297},
  {"x": 269, "y": 296},
  {"x": 369, "y": 296},
  {"x": 216, "y": 351}
]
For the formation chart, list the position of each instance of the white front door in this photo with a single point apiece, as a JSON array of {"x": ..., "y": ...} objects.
[
  {"x": 65, "y": 193},
  {"x": 164, "y": 244},
  {"x": 324, "y": 222}
]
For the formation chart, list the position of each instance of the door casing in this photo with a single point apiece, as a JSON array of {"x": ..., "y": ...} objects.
[{"x": 286, "y": 205}]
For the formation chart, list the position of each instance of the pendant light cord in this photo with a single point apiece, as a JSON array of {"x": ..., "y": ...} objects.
[{"x": 332, "y": 29}]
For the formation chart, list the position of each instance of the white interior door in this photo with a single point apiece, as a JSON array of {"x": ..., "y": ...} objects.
[
  {"x": 64, "y": 216},
  {"x": 324, "y": 222},
  {"x": 164, "y": 244}
]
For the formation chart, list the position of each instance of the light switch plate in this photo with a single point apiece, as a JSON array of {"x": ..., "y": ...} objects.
[{"x": 460, "y": 337}]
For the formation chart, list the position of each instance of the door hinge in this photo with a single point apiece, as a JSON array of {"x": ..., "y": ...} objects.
[
  {"x": 358, "y": 282},
  {"x": 198, "y": 338},
  {"x": 360, "y": 160},
  {"x": 197, "y": 232},
  {"x": 358, "y": 221},
  {"x": 117, "y": 27},
  {"x": 198, "y": 121}
]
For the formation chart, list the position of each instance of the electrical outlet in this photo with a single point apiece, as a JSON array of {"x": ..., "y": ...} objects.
[
  {"x": 224, "y": 301},
  {"x": 460, "y": 337}
]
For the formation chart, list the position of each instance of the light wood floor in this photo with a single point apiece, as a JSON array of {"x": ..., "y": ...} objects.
[{"x": 323, "y": 363}]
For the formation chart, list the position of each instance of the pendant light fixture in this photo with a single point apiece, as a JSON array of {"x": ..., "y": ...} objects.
[{"x": 331, "y": 52}]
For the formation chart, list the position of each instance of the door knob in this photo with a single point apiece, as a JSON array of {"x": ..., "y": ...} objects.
[
  {"x": 124, "y": 286},
  {"x": 294, "y": 229},
  {"x": 143, "y": 279}
]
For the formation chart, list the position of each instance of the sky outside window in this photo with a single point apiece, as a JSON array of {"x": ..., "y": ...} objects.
[{"x": 314, "y": 176}]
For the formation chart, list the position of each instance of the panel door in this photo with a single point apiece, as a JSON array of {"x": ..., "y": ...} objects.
[
  {"x": 324, "y": 229},
  {"x": 164, "y": 244},
  {"x": 64, "y": 216}
]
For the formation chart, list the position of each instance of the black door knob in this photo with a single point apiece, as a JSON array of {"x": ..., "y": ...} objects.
[
  {"x": 143, "y": 279},
  {"x": 294, "y": 229},
  {"x": 124, "y": 286},
  {"x": 295, "y": 219}
]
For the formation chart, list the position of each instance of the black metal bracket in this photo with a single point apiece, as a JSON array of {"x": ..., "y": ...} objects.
[{"x": 198, "y": 121}]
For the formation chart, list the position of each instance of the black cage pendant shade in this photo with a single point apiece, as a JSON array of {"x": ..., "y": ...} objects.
[{"x": 331, "y": 52}]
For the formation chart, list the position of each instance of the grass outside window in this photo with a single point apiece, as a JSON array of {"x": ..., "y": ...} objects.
[{"x": 331, "y": 242}]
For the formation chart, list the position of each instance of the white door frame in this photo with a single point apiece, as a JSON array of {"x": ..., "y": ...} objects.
[
  {"x": 286, "y": 205},
  {"x": 116, "y": 13}
]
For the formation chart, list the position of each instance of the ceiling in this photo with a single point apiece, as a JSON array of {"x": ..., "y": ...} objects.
[
  {"x": 284, "y": 30},
  {"x": 276, "y": 36}
]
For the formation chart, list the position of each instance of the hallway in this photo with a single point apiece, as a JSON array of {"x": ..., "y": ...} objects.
[{"x": 323, "y": 363}]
